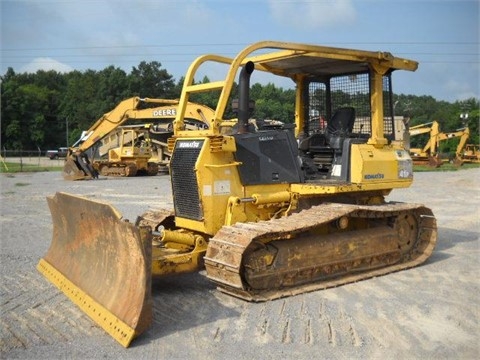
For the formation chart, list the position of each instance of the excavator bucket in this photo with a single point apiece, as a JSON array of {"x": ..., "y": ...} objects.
[
  {"x": 102, "y": 263},
  {"x": 78, "y": 167},
  {"x": 72, "y": 172}
]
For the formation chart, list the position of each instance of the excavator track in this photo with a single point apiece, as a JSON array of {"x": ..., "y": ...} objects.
[
  {"x": 123, "y": 170},
  {"x": 325, "y": 246}
]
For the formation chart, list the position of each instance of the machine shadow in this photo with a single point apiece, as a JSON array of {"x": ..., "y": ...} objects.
[
  {"x": 449, "y": 238},
  {"x": 181, "y": 302},
  {"x": 185, "y": 301}
]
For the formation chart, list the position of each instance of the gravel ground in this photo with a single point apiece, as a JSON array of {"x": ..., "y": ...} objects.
[{"x": 429, "y": 312}]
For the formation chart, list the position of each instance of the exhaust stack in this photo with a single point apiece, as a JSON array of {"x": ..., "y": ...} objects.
[{"x": 244, "y": 97}]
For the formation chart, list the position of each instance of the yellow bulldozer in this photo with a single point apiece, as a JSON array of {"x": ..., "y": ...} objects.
[
  {"x": 471, "y": 154},
  {"x": 268, "y": 213},
  {"x": 133, "y": 156},
  {"x": 112, "y": 141}
]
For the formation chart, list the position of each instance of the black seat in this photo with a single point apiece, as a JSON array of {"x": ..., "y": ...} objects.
[
  {"x": 340, "y": 126},
  {"x": 313, "y": 141}
]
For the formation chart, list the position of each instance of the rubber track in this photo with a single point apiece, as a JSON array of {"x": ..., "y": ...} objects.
[{"x": 229, "y": 244}]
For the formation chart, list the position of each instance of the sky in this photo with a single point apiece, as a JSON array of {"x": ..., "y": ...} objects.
[{"x": 66, "y": 35}]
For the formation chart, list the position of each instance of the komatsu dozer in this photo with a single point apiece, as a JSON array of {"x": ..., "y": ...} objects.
[{"x": 269, "y": 213}]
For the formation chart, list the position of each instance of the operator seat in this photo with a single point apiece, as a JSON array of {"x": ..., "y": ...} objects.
[
  {"x": 322, "y": 153},
  {"x": 338, "y": 130},
  {"x": 339, "y": 127}
]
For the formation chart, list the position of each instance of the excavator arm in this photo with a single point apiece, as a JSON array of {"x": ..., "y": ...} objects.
[
  {"x": 433, "y": 129},
  {"x": 77, "y": 164},
  {"x": 427, "y": 154},
  {"x": 463, "y": 134}
]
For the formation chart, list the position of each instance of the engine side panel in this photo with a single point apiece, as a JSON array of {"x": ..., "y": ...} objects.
[{"x": 268, "y": 157}]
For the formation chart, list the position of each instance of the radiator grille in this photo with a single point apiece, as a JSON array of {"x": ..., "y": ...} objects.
[{"x": 186, "y": 197}]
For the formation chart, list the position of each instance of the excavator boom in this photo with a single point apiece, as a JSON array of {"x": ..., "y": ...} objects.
[
  {"x": 463, "y": 134},
  {"x": 429, "y": 154}
]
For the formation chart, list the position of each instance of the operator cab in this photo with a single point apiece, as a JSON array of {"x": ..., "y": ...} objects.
[
  {"x": 320, "y": 153},
  {"x": 275, "y": 156}
]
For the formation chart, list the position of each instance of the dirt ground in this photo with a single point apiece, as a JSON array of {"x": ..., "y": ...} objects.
[{"x": 428, "y": 312}]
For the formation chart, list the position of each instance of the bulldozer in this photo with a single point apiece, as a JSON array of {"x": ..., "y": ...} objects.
[
  {"x": 471, "y": 154},
  {"x": 133, "y": 156},
  {"x": 106, "y": 134},
  {"x": 266, "y": 213}
]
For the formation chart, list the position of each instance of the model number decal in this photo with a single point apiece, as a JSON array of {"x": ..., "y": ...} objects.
[{"x": 374, "y": 176}]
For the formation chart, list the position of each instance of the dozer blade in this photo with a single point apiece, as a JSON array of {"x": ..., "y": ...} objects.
[{"x": 102, "y": 263}]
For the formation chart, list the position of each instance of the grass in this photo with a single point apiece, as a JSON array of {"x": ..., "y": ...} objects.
[
  {"x": 22, "y": 184},
  {"x": 444, "y": 167},
  {"x": 17, "y": 167}
]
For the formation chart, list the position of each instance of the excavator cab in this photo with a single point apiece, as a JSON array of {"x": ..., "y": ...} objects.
[{"x": 268, "y": 213}]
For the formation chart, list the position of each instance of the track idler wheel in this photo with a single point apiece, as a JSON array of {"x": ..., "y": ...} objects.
[
  {"x": 406, "y": 226},
  {"x": 130, "y": 170},
  {"x": 152, "y": 169}
]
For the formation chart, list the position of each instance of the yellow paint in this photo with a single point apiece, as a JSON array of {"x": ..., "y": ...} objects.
[{"x": 99, "y": 314}]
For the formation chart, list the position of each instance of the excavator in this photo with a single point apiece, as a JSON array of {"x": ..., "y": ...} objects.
[
  {"x": 107, "y": 134},
  {"x": 266, "y": 213},
  {"x": 428, "y": 154},
  {"x": 463, "y": 134}
]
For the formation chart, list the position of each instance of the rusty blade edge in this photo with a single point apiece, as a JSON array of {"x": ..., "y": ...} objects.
[{"x": 119, "y": 330}]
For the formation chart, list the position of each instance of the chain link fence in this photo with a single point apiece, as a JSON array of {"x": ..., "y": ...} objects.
[{"x": 27, "y": 160}]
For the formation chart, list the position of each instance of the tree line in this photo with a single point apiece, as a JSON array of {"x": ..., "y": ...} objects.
[{"x": 47, "y": 109}]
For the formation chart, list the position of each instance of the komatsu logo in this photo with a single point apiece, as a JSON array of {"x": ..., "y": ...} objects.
[
  {"x": 189, "y": 144},
  {"x": 165, "y": 112},
  {"x": 374, "y": 176}
]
